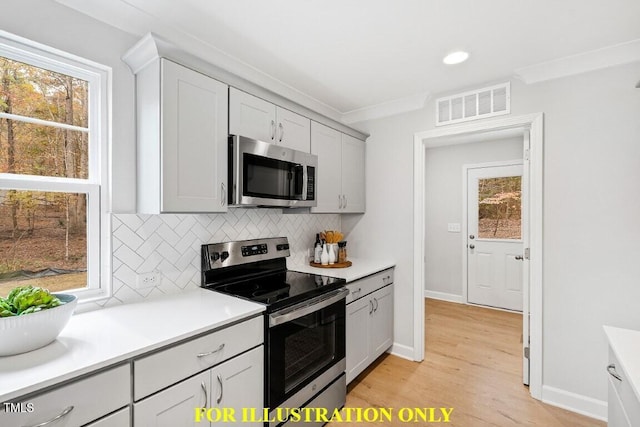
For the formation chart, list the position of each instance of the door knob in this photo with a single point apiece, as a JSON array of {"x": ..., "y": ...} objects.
[
  {"x": 472, "y": 246},
  {"x": 519, "y": 257},
  {"x": 471, "y": 236}
]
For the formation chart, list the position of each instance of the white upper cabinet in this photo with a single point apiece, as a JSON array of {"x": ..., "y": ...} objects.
[
  {"x": 353, "y": 187},
  {"x": 258, "y": 119},
  {"x": 341, "y": 173},
  {"x": 182, "y": 140}
]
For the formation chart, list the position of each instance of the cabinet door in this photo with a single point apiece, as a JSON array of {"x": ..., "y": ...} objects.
[
  {"x": 121, "y": 418},
  {"x": 616, "y": 415},
  {"x": 357, "y": 336},
  {"x": 294, "y": 130},
  {"x": 175, "y": 406},
  {"x": 326, "y": 143},
  {"x": 382, "y": 321},
  {"x": 237, "y": 384},
  {"x": 252, "y": 117},
  {"x": 194, "y": 141},
  {"x": 353, "y": 174}
]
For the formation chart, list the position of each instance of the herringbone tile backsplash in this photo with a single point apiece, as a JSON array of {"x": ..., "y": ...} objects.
[{"x": 170, "y": 244}]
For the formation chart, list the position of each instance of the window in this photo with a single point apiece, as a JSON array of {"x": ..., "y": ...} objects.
[
  {"x": 500, "y": 208},
  {"x": 53, "y": 170}
]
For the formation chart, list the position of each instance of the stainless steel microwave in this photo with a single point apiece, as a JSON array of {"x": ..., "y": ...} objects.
[{"x": 265, "y": 174}]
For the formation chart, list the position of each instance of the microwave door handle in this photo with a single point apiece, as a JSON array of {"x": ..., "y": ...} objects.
[{"x": 305, "y": 177}]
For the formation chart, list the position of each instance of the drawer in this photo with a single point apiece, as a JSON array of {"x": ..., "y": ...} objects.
[
  {"x": 89, "y": 399},
  {"x": 369, "y": 284},
  {"x": 622, "y": 387},
  {"x": 167, "y": 367}
]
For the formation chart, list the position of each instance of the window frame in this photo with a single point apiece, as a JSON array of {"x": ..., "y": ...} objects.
[{"x": 97, "y": 186}]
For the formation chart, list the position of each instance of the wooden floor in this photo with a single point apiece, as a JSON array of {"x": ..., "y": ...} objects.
[{"x": 472, "y": 364}]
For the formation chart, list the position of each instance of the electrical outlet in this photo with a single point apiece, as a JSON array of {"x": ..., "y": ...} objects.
[{"x": 147, "y": 280}]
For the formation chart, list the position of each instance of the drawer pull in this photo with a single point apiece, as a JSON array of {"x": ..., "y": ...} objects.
[
  {"x": 376, "y": 309},
  {"x": 209, "y": 353},
  {"x": 612, "y": 371},
  {"x": 206, "y": 394},
  {"x": 54, "y": 419},
  {"x": 357, "y": 291},
  {"x": 219, "y": 399}
]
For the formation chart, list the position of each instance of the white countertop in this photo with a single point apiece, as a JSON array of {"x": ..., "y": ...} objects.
[
  {"x": 625, "y": 344},
  {"x": 360, "y": 268},
  {"x": 102, "y": 338}
]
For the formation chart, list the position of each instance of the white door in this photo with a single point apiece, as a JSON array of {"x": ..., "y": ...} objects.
[
  {"x": 326, "y": 143},
  {"x": 353, "y": 174},
  {"x": 251, "y": 116},
  {"x": 293, "y": 130},
  {"x": 494, "y": 236}
]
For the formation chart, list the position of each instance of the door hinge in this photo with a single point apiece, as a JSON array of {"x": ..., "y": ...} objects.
[
  {"x": 526, "y": 253},
  {"x": 526, "y": 154},
  {"x": 526, "y": 352}
]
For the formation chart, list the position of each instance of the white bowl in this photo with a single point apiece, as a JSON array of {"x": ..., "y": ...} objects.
[{"x": 19, "y": 334}]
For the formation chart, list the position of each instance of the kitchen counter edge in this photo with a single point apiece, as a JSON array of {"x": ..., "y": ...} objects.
[
  {"x": 99, "y": 339},
  {"x": 359, "y": 269}
]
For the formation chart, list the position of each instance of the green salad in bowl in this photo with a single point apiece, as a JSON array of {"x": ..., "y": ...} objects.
[{"x": 32, "y": 317}]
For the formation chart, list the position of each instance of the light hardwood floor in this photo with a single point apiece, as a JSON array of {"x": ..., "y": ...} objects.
[{"x": 472, "y": 364}]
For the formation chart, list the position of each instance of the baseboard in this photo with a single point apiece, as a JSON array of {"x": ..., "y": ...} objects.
[
  {"x": 573, "y": 402},
  {"x": 444, "y": 296},
  {"x": 401, "y": 350}
]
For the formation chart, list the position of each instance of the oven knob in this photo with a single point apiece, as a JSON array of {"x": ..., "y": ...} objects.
[
  {"x": 224, "y": 255},
  {"x": 215, "y": 256}
]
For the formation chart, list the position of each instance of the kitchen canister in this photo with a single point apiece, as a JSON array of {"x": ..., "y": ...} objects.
[{"x": 342, "y": 251}]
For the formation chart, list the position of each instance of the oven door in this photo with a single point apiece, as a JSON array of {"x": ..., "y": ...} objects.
[
  {"x": 266, "y": 174},
  {"x": 303, "y": 342}
]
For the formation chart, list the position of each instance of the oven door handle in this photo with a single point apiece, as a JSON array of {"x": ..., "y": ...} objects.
[{"x": 307, "y": 307}]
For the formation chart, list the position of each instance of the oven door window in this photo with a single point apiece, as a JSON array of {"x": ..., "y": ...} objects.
[
  {"x": 271, "y": 178},
  {"x": 303, "y": 348}
]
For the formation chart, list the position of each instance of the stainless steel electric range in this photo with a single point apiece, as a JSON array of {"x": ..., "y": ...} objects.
[{"x": 304, "y": 321}]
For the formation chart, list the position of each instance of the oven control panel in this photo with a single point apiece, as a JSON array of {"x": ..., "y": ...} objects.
[
  {"x": 228, "y": 254},
  {"x": 259, "y": 249}
]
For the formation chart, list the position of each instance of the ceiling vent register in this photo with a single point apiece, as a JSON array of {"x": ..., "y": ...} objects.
[{"x": 477, "y": 104}]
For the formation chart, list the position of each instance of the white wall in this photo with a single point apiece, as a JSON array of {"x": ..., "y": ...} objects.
[
  {"x": 591, "y": 210},
  {"x": 443, "y": 199},
  {"x": 51, "y": 24}
]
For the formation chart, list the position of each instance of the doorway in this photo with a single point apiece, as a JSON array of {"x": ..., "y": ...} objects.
[{"x": 532, "y": 126}]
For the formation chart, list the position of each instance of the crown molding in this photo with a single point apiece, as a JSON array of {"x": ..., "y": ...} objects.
[
  {"x": 611, "y": 56},
  {"x": 388, "y": 108}
]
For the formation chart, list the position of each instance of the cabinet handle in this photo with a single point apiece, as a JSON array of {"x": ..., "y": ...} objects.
[
  {"x": 54, "y": 419},
  {"x": 206, "y": 394},
  {"x": 209, "y": 353},
  {"x": 281, "y": 131},
  {"x": 223, "y": 196},
  {"x": 612, "y": 371},
  {"x": 219, "y": 399},
  {"x": 273, "y": 130},
  {"x": 375, "y": 309},
  {"x": 357, "y": 291},
  {"x": 370, "y": 306},
  {"x": 345, "y": 201}
]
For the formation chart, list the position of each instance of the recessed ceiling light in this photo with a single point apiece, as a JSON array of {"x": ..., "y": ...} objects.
[{"x": 455, "y": 58}]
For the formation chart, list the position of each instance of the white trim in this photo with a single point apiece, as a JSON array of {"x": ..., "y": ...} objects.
[
  {"x": 573, "y": 402},
  {"x": 386, "y": 109},
  {"x": 429, "y": 138},
  {"x": 97, "y": 187},
  {"x": 400, "y": 350},
  {"x": 32, "y": 120},
  {"x": 444, "y": 296},
  {"x": 610, "y": 56},
  {"x": 465, "y": 216}
]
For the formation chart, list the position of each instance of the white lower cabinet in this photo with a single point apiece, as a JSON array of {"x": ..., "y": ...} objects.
[
  {"x": 369, "y": 322},
  {"x": 122, "y": 418},
  {"x": 623, "y": 404},
  {"x": 77, "y": 403},
  {"x": 215, "y": 397}
]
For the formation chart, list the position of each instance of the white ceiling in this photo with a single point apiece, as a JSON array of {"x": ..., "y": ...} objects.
[{"x": 353, "y": 54}]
